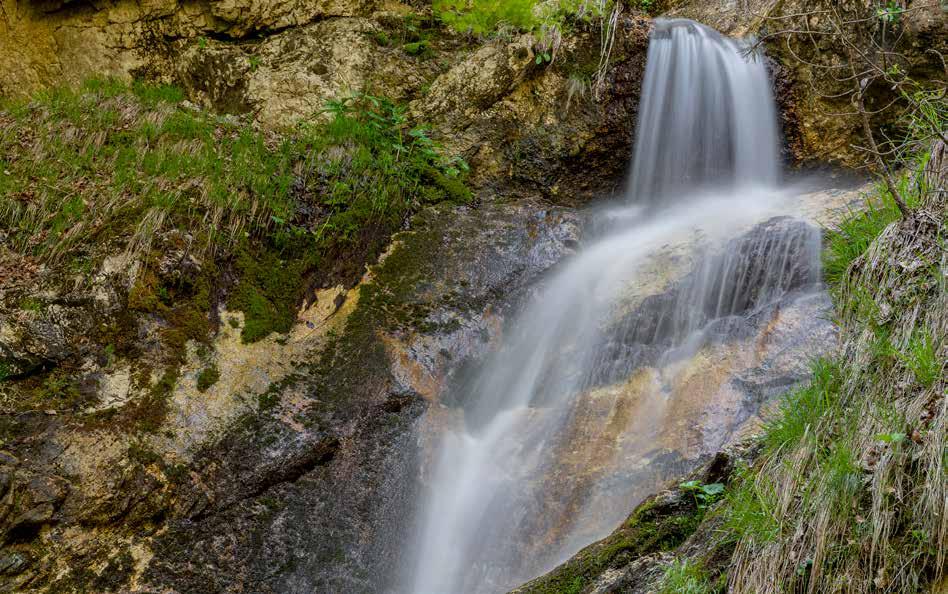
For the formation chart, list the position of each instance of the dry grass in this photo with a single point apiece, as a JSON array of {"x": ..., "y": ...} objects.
[{"x": 851, "y": 494}]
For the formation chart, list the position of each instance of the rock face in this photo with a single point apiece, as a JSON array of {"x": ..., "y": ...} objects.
[
  {"x": 288, "y": 464},
  {"x": 233, "y": 489},
  {"x": 282, "y": 61},
  {"x": 522, "y": 126}
]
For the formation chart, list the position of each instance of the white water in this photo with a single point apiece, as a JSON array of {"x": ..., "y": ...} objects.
[{"x": 705, "y": 162}]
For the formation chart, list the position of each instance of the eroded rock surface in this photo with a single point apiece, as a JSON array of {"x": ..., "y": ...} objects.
[{"x": 303, "y": 435}]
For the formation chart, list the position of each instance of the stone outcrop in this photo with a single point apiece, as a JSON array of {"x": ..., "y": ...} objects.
[
  {"x": 525, "y": 128},
  {"x": 303, "y": 435},
  {"x": 281, "y": 61}
]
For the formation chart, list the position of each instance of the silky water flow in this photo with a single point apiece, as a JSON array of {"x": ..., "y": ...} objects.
[{"x": 532, "y": 470}]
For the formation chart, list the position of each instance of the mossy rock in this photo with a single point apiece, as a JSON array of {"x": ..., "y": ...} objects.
[{"x": 659, "y": 524}]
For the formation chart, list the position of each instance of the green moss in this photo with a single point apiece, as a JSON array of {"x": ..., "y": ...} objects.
[
  {"x": 268, "y": 400},
  {"x": 207, "y": 378},
  {"x": 268, "y": 292},
  {"x": 149, "y": 413},
  {"x": 143, "y": 454},
  {"x": 417, "y": 48},
  {"x": 57, "y": 391},
  {"x": 652, "y": 528},
  {"x": 31, "y": 304}
]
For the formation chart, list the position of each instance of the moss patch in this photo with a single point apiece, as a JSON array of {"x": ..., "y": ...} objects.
[
  {"x": 656, "y": 525},
  {"x": 207, "y": 378}
]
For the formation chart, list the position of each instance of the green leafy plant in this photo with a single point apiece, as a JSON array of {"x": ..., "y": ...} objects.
[
  {"x": 894, "y": 437},
  {"x": 704, "y": 494},
  {"x": 922, "y": 358},
  {"x": 890, "y": 12}
]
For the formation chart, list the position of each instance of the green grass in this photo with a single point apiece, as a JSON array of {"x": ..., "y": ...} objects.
[
  {"x": 487, "y": 17},
  {"x": 685, "y": 577},
  {"x": 801, "y": 409},
  {"x": 111, "y": 167},
  {"x": 853, "y": 236},
  {"x": 109, "y": 157},
  {"x": 749, "y": 508},
  {"x": 922, "y": 358},
  {"x": 483, "y": 17}
]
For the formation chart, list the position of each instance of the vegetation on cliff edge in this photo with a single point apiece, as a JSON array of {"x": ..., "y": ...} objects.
[
  {"x": 849, "y": 492},
  {"x": 201, "y": 211}
]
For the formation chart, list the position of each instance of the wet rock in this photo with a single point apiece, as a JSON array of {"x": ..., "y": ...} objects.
[
  {"x": 306, "y": 464},
  {"x": 634, "y": 557},
  {"x": 773, "y": 259},
  {"x": 528, "y": 130}
]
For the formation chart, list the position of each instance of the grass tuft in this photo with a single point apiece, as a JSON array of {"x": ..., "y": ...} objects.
[{"x": 686, "y": 577}]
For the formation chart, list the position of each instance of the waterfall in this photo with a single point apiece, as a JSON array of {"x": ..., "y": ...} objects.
[
  {"x": 707, "y": 117},
  {"x": 521, "y": 480}
]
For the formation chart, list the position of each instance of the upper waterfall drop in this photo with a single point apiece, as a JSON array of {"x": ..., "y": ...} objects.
[{"x": 707, "y": 117}]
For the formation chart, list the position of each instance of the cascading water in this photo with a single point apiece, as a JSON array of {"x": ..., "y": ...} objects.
[
  {"x": 519, "y": 482},
  {"x": 707, "y": 117}
]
